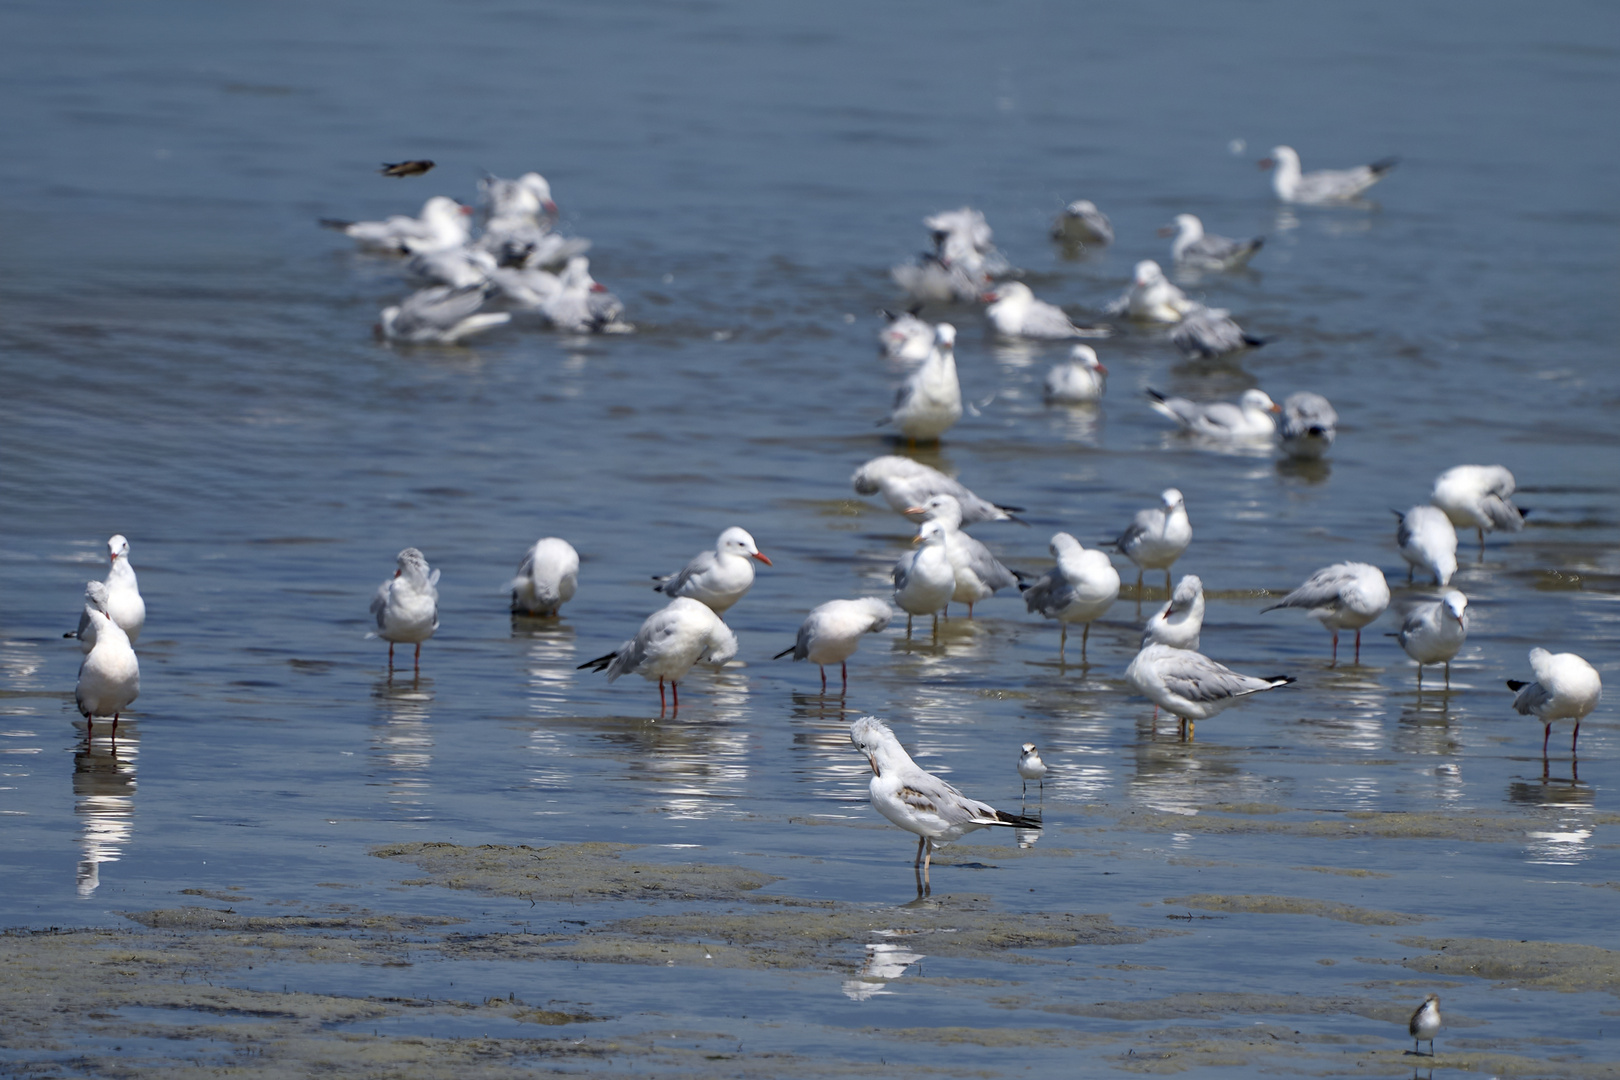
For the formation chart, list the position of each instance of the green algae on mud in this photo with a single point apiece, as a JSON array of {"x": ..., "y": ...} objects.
[
  {"x": 1539, "y": 965},
  {"x": 1354, "y": 825},
  {"x": 1295, "y": 905}
]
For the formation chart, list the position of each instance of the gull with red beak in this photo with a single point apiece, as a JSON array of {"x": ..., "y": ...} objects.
[
  {"x": 443, "y": 224},
  {"x": 582, "y": 305},
  {"x": 1015, "y": 312},
  {"x": 1077, "y": 381},
  {"x": 407, "y": 605},
  {"x": 1249, "y": 420},
  {"x": 718, "y": 578}
]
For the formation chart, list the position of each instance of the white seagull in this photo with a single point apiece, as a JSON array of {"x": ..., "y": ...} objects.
[
  {"x": 831, "y": 633},
  {"x": 924, "y": 579},
  {"x": 1566, "y": 688},
  {"x": 95, "y": 599},
  {"x": 1191, "y": 686},
  {"x": 669, "y": 642},
  {"x": 1082, "y": 223},
  {"x": 1079, "y": 589},
  {"x": 1344, "y": 596},
  {"x": 529, "y": 196},
  {"x": 906, "y": 337},
  {"x": 1249, "y": 420},
  {"x": 1480, "y": 496},
  {"x": 1157, "y": 537},
  {"x": 439, "y": 315},
  {"x": 1205, "y": 333},
  {"x": 582, "y": 305},
  {"x": 109, "y": 676},
  {"x": 1427, "y": 541},
  {"x": 978, "y": 573},
  {"x": 1323, "y": 186},
  {"x": 905, "y": 483},
  {"x": 1197, "y": 250},
  {"x": 1080, "y": 379},
  {"x": 457, "y": 267},
  {"x": 1180, "y": 622},
  {"x": 546, "y": 578},
  {"x": 919, "y": 801},
  {"x": 123, "y": 598},
  {"x": 1308, "y": 425},
  {"x": 1015, "y": 312},
  {"x": 930, "y": 400},
  {"x": 718, "y": 577},
  {"x": 1434, "y": 632},
  {"x": 1151, "y": 297},
  {"x": 443, "y": 224},
  {"x": 407, "y": 605},
  {"x": 1031, "y": 767}
]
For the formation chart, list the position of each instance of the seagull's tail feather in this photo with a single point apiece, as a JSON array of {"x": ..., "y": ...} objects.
[
  {"x": 334, "y": 223},
  {"x": 1017, "y": 821},
  {"x": 71, "y": 633},
  {"x": 1254, "y": 342},
  {"x": 600, "y": 663},
  {"x": 1278, "y": 680},
  {"x": 1383, "y": 165},
  {"x": 1516, "y": 685},
  {"x": 784, "y": 652}
]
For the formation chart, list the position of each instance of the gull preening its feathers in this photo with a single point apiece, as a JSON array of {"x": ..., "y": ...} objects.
[
  {"x": 1079, "y": 589},
  {"x": 1480, "y": 496},
  {"x": 905, "y": 484},
  {"x": 831, "y": 633},
  {"x": 546, "y": 578},
  {"x": 109, "y": 676},
  {"x": 1180, "y": 622},
  {"x": 1428, "y": 542},
  {"x": 670, "y": 641},
  {"x": 1434, "y": 632},
  {"x": 1344, "y": 596},
  {"x": 1308, "y": 426},
  {"x": 1566, "y": 688},
  {"x": 95, "y": 599},
  {"x": 407, "y": 605}
]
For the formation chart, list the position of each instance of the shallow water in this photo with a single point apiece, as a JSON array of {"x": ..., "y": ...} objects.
[{"x": 188, "y": 361}]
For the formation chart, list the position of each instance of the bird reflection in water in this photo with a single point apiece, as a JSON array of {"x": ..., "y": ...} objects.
[
  {"x": 1306, "y": 470},
  {"x": 1569, "y": 840},
  {"x": 550, "y": 664},
  {"x": 104, "y": 800},
  {"x": 884, "y": 963},
  {"x": 402, "y": 743},
  {"x": 697, "y": 768}
]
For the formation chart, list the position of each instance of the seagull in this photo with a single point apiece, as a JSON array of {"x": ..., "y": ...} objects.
[
  {"x": 669, "y": 642},
  {"x": 930, "y": 401},
  {"x": 95, "y": 599},
  {"x": 1344, "y": 596},
  {"x": 1434, "y": 632},
  {"x": 1425, "y": 1023},
  {"x": 439, "y": 315},
  {"x": 718, "y": 577},
  {"x": 1247, "y": 421},
  {"x": 1566, "y": 688},
  {"x": 1082, "y": 223},
  {"x": 443, "y": 224},
  {"x": 1308, "y": 425},
  {"x": 124, "y": 604},
  {"x": 531, "y": 289},
  {"x": 1179, "y": 623},
  {"x": 921, "y": 802},
  {"x": 1015, "y": 312},
  {"x": 582, "y": 305},
  {"x": 831, "y": 633},
  {"x": 906, "y": 337},
  {"x": 529, "y": 196},
  {"x": 1151, "y": 297},
  {"x": 905, "y": 483},
  {"x": 1157, "y": 537},
  {"x": 1031, "y": 767},
  {"x": 1205, "y": 333},
  {"x": 406, "y": 168},
  {"x": 1082, "y": 378},
  {"x": 934, "y": 279},
  {"x": 546, "y": 578},
  {"x": 1478, "y": 495},
  {"x": 1190, "y": 685},
  {"x": 109, "y": 676},
  {"x": 978, "y": 573},
  {"x": 961, "y": 264},
  {"x": 1197, "y": 250},
  {"x": 407, "y": 605},
  {"x": 458, "y": 267},
  {"x": 1324, "y": 186},
  {"x": 924, "y": 579},
  {"x": 1079, "y": 589},
  {"x": 1428, "y": 540}
]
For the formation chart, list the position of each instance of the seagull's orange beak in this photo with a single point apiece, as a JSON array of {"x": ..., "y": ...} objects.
[
  {"x": 398, "y": 572},
  {"x": 1102, "y": 369},
  {"x": 1275, "y": 407},
  {"x": 915, "y": 510},
  {"x": 1167, "y": 230},
  {"x": 1267, "y": 163},
  {"x": 760, "y": 556},
  {"x": 872, "y": 761}
]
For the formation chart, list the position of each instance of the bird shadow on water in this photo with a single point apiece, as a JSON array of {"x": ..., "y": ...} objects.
[{"x": 1552, "y": 791}]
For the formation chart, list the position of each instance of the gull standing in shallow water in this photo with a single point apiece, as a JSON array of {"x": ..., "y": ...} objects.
[
  {"x": 919, "y": 801},
  {"x": 669, "y": 643},
  {"x": 95, "y": 599},
  {"x": 1191, "y": 686},
  {"x": 109, "y": 676},
  {"x": 1344, "y": 596},
  {"x": 930, "y": 400},
  {"x": 978, "y": 573},
  {"x": 124, "y": 604},
  {"x": 1015, "y": 312},
  {"x": 924, "y": 579},
  {"x": 831, "y": 633},
  {"x": 407, "y": 605},
  {"x": 1079, "y": 589},
  {"x": 1157, "y": 537},
  {"x": 905, "y": 483},
  {"x": 1308, "y": 425},
  {"x": 546, "y": 578},
  {"x": 1434, "y": 632},
  {"x": 1031, "y": 767},
  {"x": 1248, "y": 421},
  {"x": 1078, "y": 380},
  {"x": 720, "y": 577},
  {"x": 1427, "y": 540},
  {"x": 1180, "y": 622},
  {"x": 1566, "y": 688},
  {"x": 1324, "y": 185},
  {"x": 1478, "y": 495},
  {"x": 1195, "y": 249}
]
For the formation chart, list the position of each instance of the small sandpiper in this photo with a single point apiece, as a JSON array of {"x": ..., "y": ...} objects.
[
  {"x": 1425, "y": 1023},
  {"x": 1031, "y": 767}
]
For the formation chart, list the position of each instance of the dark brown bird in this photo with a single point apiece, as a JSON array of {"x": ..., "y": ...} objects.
[{"x": 406, "y": 168}]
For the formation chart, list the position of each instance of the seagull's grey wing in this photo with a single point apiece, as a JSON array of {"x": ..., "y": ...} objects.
[
  {"x": 1142, "y": 523},
  {"x": 1208, "y": 333},
  {"x": 1220, "y": 417},
  {"x": 671, "y": 584},
  {"x": 1502, "y": 513},
  {"x": 1321, "y": 590},
  {"x": 379, "y": 603},
  {"x": 1196, "y": 677},
  {"x": 1043, "y": 597},
  {"x": 1403, "y": 531},
  {"x": 988, "y": 568},
  {"x": 1531, "y": 697},
  {"x": 441, "y": 306},
  {"x": 801, "y": 646}
]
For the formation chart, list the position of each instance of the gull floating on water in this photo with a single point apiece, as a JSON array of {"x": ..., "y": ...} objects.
[
  {"x": 961, "y": 264},
  {"x": 1434, "y": 632},
  {"x": 1323, "y": 186},
  {"x": 443, "y": 224},
  {"x": 407, "y": 605},
  {"x": 458, "y": 267},
  {"x": 919, "y": 801},
  {"x": 906, "y": 337},
  {"x": 1425, "y": 1023},
  {"x": 1566, "y": 688},
  {"x": 439, "y": 315},
  {"x": 1247, "y": 421},
  {"x": 1191, "y": 686},
  {"x": 669, "y": 643},
  {"x": 1180, "y": 622},
  {"x": 924, "y": 579},
  {"x": 1151, "y": 297},
  {"x": 718, "y": 577},
  {"x": 1205, "y": 333},
  {"x": 1344, "y": 596},
  {"x": 1080, "y": 379},
  {"x": 1015, "y": 312},
  {"x": 978, "y": 573},
  {"x": 1031, "y": 767},
  {"x": 1079, "y": 589},
  {"x": 1157, "y": 536},
  {"x": 1480, "y": 496},
  {"x": 930, "y": 400},
  {"x": 1427, "y": 541},
  {"x": 1197, "y": 250},
  {"x": 546, "y": 578},
  {"x": 905, "y": 483},
  {"x": 529, "y": 196},
  {"x": 1308, "y": 425},
  {"x": 1082, "y": 223},
  {"x": 582, "y": 305},
  {"x": 109, "y": 676},
  {"x": 831, "y": 633}
]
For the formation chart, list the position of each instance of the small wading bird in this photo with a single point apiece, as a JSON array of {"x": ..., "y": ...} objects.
[
  {"x": 407, "y": 606},
  {"x": 1566, "y": 688},
  {"x": 406, "y": 168},
  {"x": 1425, "y": 1023},
  {"x": 1031, "y": 767},
  {"x": 668, "y": 644},
  {"x": 919, "y": 801},
  {"x": 831, "y": 633}
]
